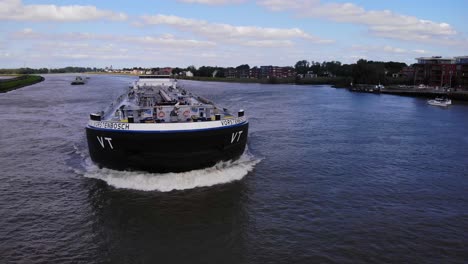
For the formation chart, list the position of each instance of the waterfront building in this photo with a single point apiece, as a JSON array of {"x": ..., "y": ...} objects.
[
  {"x": 442, "y": 72},
  {"x": 276, "y": 72},
  {"x": 186, "y": 74},
  {"x": 310, "y": 74},
  {"x": 407, "y": 72},
  {"x": 230, "y": 73},
  {"x": 254, "y": 73},
  {"x": 461, "y": 72},
  {"x": 243, "y": 73},
  {"x": 434, "y": 71},
  {"x": 164, "y": 71},
  {"x": 262, "y": 72},
  {"x": 236, "y": 73},
  {"x": 288, "y": 72}
]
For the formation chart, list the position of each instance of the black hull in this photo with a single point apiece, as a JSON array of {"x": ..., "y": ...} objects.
[{"x": 165, "y": 151}]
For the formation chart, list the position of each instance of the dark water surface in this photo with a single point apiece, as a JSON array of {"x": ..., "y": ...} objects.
[{"x": 333, "y": 177}]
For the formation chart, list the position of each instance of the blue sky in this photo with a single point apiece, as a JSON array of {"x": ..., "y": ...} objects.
[{"x": 46, "y": 33}]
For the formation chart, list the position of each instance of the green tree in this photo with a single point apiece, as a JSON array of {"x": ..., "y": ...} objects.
[
  {"x": 205, "y": 71},
  {"x": 369, "y": 72},
  {"x": 192, "y": 69},
  {"x": 243, "y": 67},
  {"x": 301, "y": 67},
  {"x": 316, "y": 68}
]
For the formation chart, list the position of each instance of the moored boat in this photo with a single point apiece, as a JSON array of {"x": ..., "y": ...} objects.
[
  {"x": 157, "y": 126},
  {"x": 440, "y": 102}
]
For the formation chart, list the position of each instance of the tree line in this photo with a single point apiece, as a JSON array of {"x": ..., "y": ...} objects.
[
  {"x": 45, "y": 70},
  {"x": 361, "y": 72}
]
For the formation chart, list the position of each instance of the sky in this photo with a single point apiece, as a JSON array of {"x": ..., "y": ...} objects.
[{"x": 180, "y": 33}]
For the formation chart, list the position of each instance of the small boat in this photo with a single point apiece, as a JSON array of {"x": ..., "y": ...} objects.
[
  {"x": 78, "y": 81},
  {"x": 440, "y": 102},
  {"x": 157, "y": 126}
]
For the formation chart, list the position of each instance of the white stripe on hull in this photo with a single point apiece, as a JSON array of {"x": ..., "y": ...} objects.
[{"x": 166, "y": 126}]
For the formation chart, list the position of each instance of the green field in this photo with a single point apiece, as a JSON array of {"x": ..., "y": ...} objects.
[{"x": 18, "y": 82}]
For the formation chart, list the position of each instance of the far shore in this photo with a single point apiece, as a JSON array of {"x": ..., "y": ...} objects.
[{"x": 19, "y": 81}]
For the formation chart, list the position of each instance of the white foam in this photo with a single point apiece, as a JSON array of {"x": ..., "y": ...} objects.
[
  {"x": 79, "y": 152},
  {"x": 222, "y": 172}
]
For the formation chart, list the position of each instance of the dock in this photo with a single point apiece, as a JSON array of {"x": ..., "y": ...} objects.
[{"x": 426, "y": 92}]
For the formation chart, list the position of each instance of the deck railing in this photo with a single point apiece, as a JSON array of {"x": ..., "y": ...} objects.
[{"x": 109, "y": 109}]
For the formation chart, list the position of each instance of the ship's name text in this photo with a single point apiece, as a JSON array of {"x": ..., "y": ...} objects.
[
  {"x": 111, "y": 125},
  {"x": 230, "y": 122}
]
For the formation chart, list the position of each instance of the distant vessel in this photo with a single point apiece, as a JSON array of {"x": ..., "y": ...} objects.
[
  {"x": 78, "y": 81},
  {"x": 440, "y": 102},
  {"x": 157, "y": 126}
]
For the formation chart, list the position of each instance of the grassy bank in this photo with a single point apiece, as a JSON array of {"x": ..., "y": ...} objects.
[{"x": 18, "y": 82}]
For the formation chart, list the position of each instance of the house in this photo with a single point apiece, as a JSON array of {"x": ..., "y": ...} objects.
[
  {"x": 310, "y": 74},
  {"x": 186, "y": 74}
]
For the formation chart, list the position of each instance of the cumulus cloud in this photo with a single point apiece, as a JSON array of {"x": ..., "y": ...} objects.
[
  {"x": 420, "y": 51},
  {"x": 46, "y": 48},
  {"x": 170, "y": 41},
  {"x": 16, "y": 10},
  {"x": 269, "y": 43},
  {"x": 382, "y": 23},
  {"x": 212, "y": 2},
  {"x": 385, "y": 49},
  {"x": 73, "y": 47},
  {"x": 72, "y": 38},
  {"x": 386, "y": 52},
  {"x": 225, "y": 32},
  {"x": 28, "y": 33}
]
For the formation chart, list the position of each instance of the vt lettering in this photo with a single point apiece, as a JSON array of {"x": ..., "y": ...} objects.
[
  {"x": 101, "y": 141},
  {"x": 236, "y": 135}
]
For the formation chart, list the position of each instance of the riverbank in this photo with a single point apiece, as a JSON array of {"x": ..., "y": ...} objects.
[
  {"x": 427, "y": 92},
  {"x": 19, "y": 82},
  {"x": 335, "y": 81}
]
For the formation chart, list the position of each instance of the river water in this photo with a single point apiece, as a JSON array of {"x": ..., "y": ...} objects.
[{"x": 330, "y": 176}]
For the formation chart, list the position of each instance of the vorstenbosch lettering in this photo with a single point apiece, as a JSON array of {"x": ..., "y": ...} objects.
[
  {"x": 229, "y": 122},
  {"x": 112, "y": 125}
]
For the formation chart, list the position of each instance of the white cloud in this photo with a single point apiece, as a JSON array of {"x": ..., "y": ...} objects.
[
  {"x": 269, "y": 43},
  {"x": 420, "y": 51},
  {"x": 170, "y": 41},
  {"x": 162, "y": 41},
  {"x": 85, "y": 48},
  {"x": 225, "y": 32},
  {"x": 386, "y": 53},
  {"x": 382, "y": 23},
  {"x": 4, "y": 54},
  {"x": 380, "y": 49},
  {"x": 212, "y": 2},
  {"x": 391, "y": 49},
  {"x": 28, "y": 33},
  {"x": 41, "y": 49},
  {"x": 16, "y": 10}
]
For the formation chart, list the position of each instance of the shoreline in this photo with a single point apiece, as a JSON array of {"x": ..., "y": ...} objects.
[
  {"x": 392, "y": 90},
  {"x": 18, "y": 82},
  {"x": 411, "y": 91},
  {"x": 334, "y": 82}
]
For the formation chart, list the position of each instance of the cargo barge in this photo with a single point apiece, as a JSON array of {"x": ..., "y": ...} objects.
[{"x": 156, "y": 126}]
